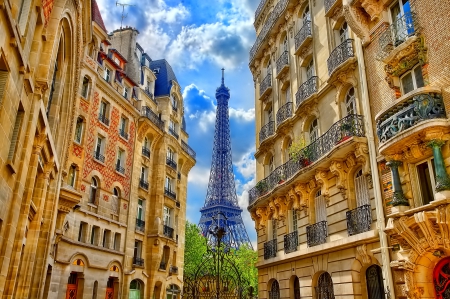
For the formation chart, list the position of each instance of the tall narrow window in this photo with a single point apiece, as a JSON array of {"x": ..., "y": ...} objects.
[
  {"x": 361, "y": 189},
  {"x": 285, "y": 44},
  {"x": 85, "y": 87},
  {"x": 72, "y": 175},
  {"x": 310, "y": 69},
  {"x": 117, "y": 238},
  {"x": 271, "y": 164},
  {"x": 320, "y": 207},
  {"x": 294, "y": 220},
  {"x": 426, "y": 177},
  {"x": 52, "y": 88},
  {"x": 25, "y": 7},
  {"x": 306, "y": 15},
  {"x": 270, "y": 114},
  {"x": 93, "y": 194},
  {"x": 98, "y": 154},
  {"x": 343, "y": 32},
  {"x": 167, "y": 216},
  {"x": 15, "y": 134},
  {"x": 120, "y": 159},
  {"x": 106, "y": 238},
  {"x": 94, "y": 235},
  {"x": 274, "y": 229},
  {"x": 107, "y": 76},
  {"x": 140, "y": 210},
  {"x": 374, "y": 279},
  {"x": 412, "y": 80},
  {"x": 115, "y": 201},
  {"x": 126, "y": 92},
  {"x": 79, "y": 130},
  {"x": 313, "y": 131},
  {"x": 3, "y": 80},
  {"x": 350, "y": 102}
]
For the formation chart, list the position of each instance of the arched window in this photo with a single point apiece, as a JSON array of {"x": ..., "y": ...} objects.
[
  {"x": 310, "y": 69},
  {"x": 93, "y": 193},
  {"x": 271, "y": 164},
  {"x": 296, "y": 288},
  {"x": 306, "y": 16},
  {"x": 72, "y": 175},
  {"x": 115, "y": 200},
  {"x": 269, "y": 68},
  {"x": 343, "y": 32},
  {"x": 374, "y": 280},
  {"x": 85, "y": 87},
  {"x": 350, "y": 102},
  {"x": 285, "y": 44},
  {"x": 94, "y": 290},
  {"x": 313, "y": 131},
  {"x": 288, "y": 155},
  {"x": 172, "y": 291},
  {"x": 325, "y": 287},
  {"x": 274, "y": 292},
  {"x": 79, "y": 130},
  {"x": 135, "y": 289}
]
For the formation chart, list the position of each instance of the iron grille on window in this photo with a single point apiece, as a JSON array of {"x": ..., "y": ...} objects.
[
  {"x": 123, "y": 133},
  {"x": 173, "y": 133},
  {"x": 138, "y": 261},
  {"x": 270, "y": 249},
  {"x": 120, "y": 169},
  {"x": 162, "y": 265},
  {"x": 317, "y": 233},
  {"x": 171, "y": 163},
  {"x": 266, "y": 131},
  {"x": 302, "y": 34},
  {"x": 146, "y": 152},
  {"x": 140, "y": 225},
  {"x": 291, "y": 242},
  {"x": 306, "y": 90},
  {"x": 397, "y": 33},
  {"x": 99, "y": 157},
  {"x": 103, "y": 119},
  {"x": 339, "y": 55},
  {"x": 147, "y": 112},
  {"x": 265, "y": 84},
  {"x": 359, "y": 220},
  {"x": 284, "y": 113},
  {"x": 170, "y": 193},
  {"x": 282, "y": 61},
  {"x": 143, "y": 184},
  {"x": 168, "y": 231},
  {"x": 173, "y": 270},
  {"x": 150, "y": 95}
]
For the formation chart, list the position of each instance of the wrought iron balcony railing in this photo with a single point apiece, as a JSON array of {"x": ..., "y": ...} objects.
[
  {"x": 302, "y": 34},
  {"x": 99, "y": 157},
  {"x": 266, "y": 131},
  {"x": 138, "y": 261},
  {"x": 103, "y": 119},
  {"x": 279, "y": 9},
  {"x": 140, "y": 225},
  {"x": 173, "y": 270},
  {"x": 317, "y": 233},
  {"x": 173, "y": 133},
  {"x": 329, "y": 5},
  {"x": 349, "y": 126},
  {"x": 123, "y": 133},
  {"x": 150, "y": 95},
  {"x": 270, "y": 249},
  {"x": 171, "y": 163},
  {"x": 282, "y": 61},
  {"x": 170, "y": 193},
  {"x": 408, "y": 113},
  {"x": 143, "y": 184},
  {"x": 119, "y": 168},
  {"x": 188, "y": 149},
  {"x": 359, "y": 220},
  {"x": 339, "y": 55},
  {"x": 284, "y": 113},
  {"x": 260, "y": 8},
  {"x": 306, "y": 90},
  {"x": 397, "y": 33},
  {"x": 146, "y": 152},
  {"x": 291, "y": 242},
  {"x": 162, "y": 265},
  {"x": 174, "y": 108},
  {"x": 168, "y": 231},
  {"x": 266, "y": 83},
  {"x": 147, "y": 112}
]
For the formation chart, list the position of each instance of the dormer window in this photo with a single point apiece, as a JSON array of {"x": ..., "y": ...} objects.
[
  {"x": 116, "y": 60},
  {"x": 156, "y": 70}
]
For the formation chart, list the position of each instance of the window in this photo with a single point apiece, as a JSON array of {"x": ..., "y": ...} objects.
[
  {"x": 140, "y": 209},
  {"x": 306, "y": 15},
  {"x": 99, "y": 148},
  {"x": 107, "y": 76},
  {"x": 94, "y": 234},
  {"x": 3, "y": 80},
  {"x": 170, "y": 154},
  {"x": 137, "y": 249},
  {"x": 117, "y": 238},
  {"x": 82, "y": 232},
  {"x": 269, "y": 68},
  {"x": 412, "y": 79},
  {"x": 426, "y": 177},
  {"x": 294, "y": 220},
  {"x": 85, "y": 87},
  {"x": 270, "y": 115},
  {"x": 271, "y": 164},
  {"x": 288, "y": 155},
  {"x": 274, "y": 229},
  {"x": 25, "y": 7},
  {"x": 165, "y": 259},
  {"x": 402, "y": 21},
  {"x": 115, "y": 201},
  {"x": 117, "y": 61},
  {"x": 94, "y": 192},
  {"x": 320, "y": 207},
  {"x": 123, "y": 127},
  {"x": 343, "y": 32},
  {"x": 285, "y": 44},
  {"x": 144, "y": 173},
  {"x": 72, "y": 175},
  {"x": 139, "y": 54},
  {"x": 350, "y": 103},
  {"x": 79, "y": 130},
  {"x": 169, "y": 183},
  {"x": 120, "y": 159},
  {"x": 126, "y": 92},
  {"x": 361, "y": 189},
  {"x": 15, "y": 134},
  {"x": 310, "y": 69},
  {"x": 52, "y": 88},
  {"x": 94, "y": 290},
  {"x": 274, "y": 292},
  {"x": 287, "y": 94},
  {"x": 104, "y": 111},
  {"x": 106, "y": 238},
  {"x": 174, "y": 103},
  {"x": 313, "y": 131},
  {"x": 374, "y": 280},
  {"x": 167, "y": 216}
]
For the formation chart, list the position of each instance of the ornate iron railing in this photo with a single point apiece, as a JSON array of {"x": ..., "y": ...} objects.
[
  {"x": 359, "y": 220},
  {"x": 349, "y": 126},
  {"x": 305, "y": 90},
  {"x": 150, "y": 95},
  {"x": 279, "y": 9},
  {"x": 291, "y": 242},
  {"x": 173, "y": 270},
  {"x": 138, "y": 261},
  {"x": 302, "y": 34},
  {"x": 340, "y": 55},
  {"x": 317, "y": 233},
  {"x": 123, "y": 133},
  {"x": 120, "y": 169},
  {"x": 170, "y": 193},
  {"x": 168, "y": 231},
  {"x": 173, "y": 133},
  {"x": 143, "y": 184},
  {"x": 103, "y": 119},
  {"x": 162, "y": 265},
  {"x": 99, "y": 157},
  {"x": 270, "y": 249},
  {"x": 397, "y": 33},
  {"x": 329, "y": 5},
  {"x": 260, "y": 8},
  {"x": 265, "y": 83},
  {"x": 188, "y": 149},
  {"x": 147, "y": 112},
  {"x": 146, "y": 152},
  {"x": 171, "y": 163},
  {"x": 140, "y": 225},
  {"x": 408, "y": 113},
  {"x": 266, "y": 131},
  {"x": 284, "y": 113},
  {"x": 282, "y": 61}
]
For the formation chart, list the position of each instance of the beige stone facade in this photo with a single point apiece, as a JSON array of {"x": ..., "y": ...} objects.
[{"x": 94, "y": 163}]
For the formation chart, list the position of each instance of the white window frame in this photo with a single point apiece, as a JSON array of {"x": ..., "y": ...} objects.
[
  {"x": 140, "y": 214},
  {"x": 170, "y": 154},
  {"x": 310, "y": 72},
  {"x": 120, "y": 157},
  {"x": 294, "y": 220},
  {"x": 104, "y": 108},
  {"x": 306, "y": 15},
  {"x": 107, "y": 75},
  {"x": 167, "y": 216},
  {"x": 72, "y": 177},
  {"x": 144, "y": 173},
  {"x": 100, "y": 140},
  {"x": 361, "y": 189},
  {"x": 79, "y": 126},
  {"x": 313, "y": 130},
  {"x": 413, "y": 76},
  {"x": 343, "y": 33},
  {"x": 123, "y": 124},
  {"x": 93, "y": 191},
  {"x": 350, "y": 102},
  {"x": 85, "y": 86},
  {"x": 126, "y": 91},
  {"x": 320, "y": 207}
]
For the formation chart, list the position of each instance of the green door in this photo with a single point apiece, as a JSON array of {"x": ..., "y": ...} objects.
[{"x": 134, "y": 294}]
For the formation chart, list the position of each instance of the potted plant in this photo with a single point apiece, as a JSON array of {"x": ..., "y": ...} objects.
[
  {"x": 261, "y": 186},
  {"x": 300, "y": 152},
  {"x": 281, "y": 178},
  {"x": 346, "y": 132}
]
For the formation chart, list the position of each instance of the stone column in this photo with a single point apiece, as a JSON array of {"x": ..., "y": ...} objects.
[
  {"x": 398, "y": 198},
  {"x": 442, "y": 178}
]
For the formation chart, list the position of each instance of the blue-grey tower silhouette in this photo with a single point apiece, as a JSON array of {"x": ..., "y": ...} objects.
[{"x": 221, "y": 195}]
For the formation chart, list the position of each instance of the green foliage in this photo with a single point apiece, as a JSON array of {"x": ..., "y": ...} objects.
[
  {"x": 194, "y": 248},
  {"x": 299, "y": 150},
  {"x": 246, "y": 258}
]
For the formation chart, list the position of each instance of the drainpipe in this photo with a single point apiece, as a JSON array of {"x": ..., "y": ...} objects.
[{"x": 385, "y": 255}]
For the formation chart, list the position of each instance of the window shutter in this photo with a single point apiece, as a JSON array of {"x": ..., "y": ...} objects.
[
  {"x": 23, "y": 16},
  {"x": 321, "y": 210},
  {"x": 15, "y": 135},
  {"x": 3, "y": 81},
  {"x": 362, "y": 191}
]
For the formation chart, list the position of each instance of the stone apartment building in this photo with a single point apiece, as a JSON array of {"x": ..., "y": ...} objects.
[
  {"x": 95, "y": 163},
  {"x": 388, "y": 187}
]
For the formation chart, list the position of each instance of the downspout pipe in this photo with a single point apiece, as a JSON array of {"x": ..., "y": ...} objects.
[{"x": 385, "y": 254}]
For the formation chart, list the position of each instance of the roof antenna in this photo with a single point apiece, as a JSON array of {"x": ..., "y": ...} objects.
[
  {"x": 223, "y": 76},
  {"x": 123, "y": 11}
]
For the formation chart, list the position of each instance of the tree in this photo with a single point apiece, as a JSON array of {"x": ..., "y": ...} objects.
[{"x": 194, "y": 248}]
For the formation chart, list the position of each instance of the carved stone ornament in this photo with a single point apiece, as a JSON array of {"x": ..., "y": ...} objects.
[
  {"x": 302, "y": 190},
  {"x": 362, "y": 156},
  {"x": 363, "y": 254},
  {"x": 273, "y": 211},
  {"x": 294, "y": 199},
  {"x": 261, "y": 214},
  {"x": 357, "y": 20},
  {"x": 373, "y": 8},
  {"x": 306, "y": 51},
  {"x": 403, "y": 265},
  {"x": 339, "y": 169},
  {"x": 282, "y": 207},
  {"x": 322, "y": 180}
]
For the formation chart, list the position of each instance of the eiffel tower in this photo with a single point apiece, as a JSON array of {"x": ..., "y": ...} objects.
[{"x": 221, "y": 197}]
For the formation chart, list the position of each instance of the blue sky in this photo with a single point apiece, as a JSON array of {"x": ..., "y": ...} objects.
[{"x": 198, "y": 38}]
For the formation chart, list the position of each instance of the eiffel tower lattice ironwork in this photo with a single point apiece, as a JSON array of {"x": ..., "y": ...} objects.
[{"x": 221, "y": 195}]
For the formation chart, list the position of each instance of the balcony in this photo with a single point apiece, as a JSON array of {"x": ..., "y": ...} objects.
[
  {"x": 422, "y": 107},
  {"x": 270, "y": 249},
  {"x": 339, "y": 55},
  {"x": 103, "y": 119},
  {"x": 359, "y": 220},
  {"x": 174, "y": 108},
  {"x": 171, "y": 163},
  {"x": 120, "y": 169},
  {"x": 317, "y": 233},
  {"x": 170, "y": 193},
  {"x": 150, "y": 95},
  {"x": 168, "y": 231},
  {"x": 291, "y": 242},
  {"x": 137, "y": 261},
  {"x": 162, "y": 265},
  {"x": 266, "y": 86},
  {"x": 173, "y": 133},
  {"x": 188, "y": 149},
  {"x": 329, "y": 4},
  {"x": 260, "y": 8},
  {"x": 306, "y": 90},
  {"x": 266, "y": 131},
  {"x": 147, "y": 112},
  {"x": 284, "y": 113},
  {"x": 173, "y": 270},
  {"x": 143, "y": 184},
  {"x": 282, "y": 64},
  {"x": 99, "y": 157},
  {"x": 123, "y": 134},
  {"x": 140, "y": 225},
  {"x": 349, "y": 126},
  {"x": 303, "y": 37},
  {"x": 146, "y": 152},
  {"x": 397, "y": 34}
]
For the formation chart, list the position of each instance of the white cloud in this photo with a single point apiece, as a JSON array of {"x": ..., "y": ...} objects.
[
  {"x": 241, "y": 114},
  {"x": 205, "y": 120},
  {"x": 247, "y": 165},
  {"x": 199, "y": 176}
]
